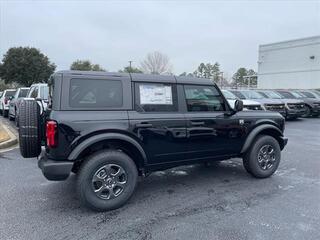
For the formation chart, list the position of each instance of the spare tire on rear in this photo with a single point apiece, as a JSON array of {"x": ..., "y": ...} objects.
[{"x": 29, "y": 129}]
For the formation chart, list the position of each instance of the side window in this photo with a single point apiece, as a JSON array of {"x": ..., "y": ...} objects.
[
  {"x": 34, "y": 94},
  {"x": 44, "y": 92},
  {"x": 95, "y": 93},
  {"x": 156, "y": 97},
  {"x": 203, "y": 99}
]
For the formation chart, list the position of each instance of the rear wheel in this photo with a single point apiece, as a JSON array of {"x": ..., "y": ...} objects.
[
  {"x": 263, "y": 158},
  {"x": 29, "y": 129},
  {"x": 106, "y": 180}
]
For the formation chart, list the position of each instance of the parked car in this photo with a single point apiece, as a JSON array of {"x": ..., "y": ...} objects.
[
  {"x": 309, "y": 93},
  {"x": 312, "y": 106},
  {"x": 274, "y": 105},
  {"x": 40, "y": 92},
  {"x": 295, "y": 108},
  {"x": 4, "y": 101},
  {"x": 15, "y": 101},
  {"x": 247, "y": 104},
  {"x": 105, "y": 128}
]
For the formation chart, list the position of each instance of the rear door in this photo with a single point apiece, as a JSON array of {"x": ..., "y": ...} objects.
[{"x": 157, "y": 121}]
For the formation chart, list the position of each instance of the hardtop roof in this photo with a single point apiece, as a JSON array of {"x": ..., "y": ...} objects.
[{"x": 141, "y": 77}]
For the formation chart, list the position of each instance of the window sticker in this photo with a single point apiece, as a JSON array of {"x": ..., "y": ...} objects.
[{"x": 155, "y": 94}]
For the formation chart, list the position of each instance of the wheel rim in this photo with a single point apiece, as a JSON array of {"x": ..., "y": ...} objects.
[
  {"x": 109, "y": 181},
  {"x": 266, "y": 157}
]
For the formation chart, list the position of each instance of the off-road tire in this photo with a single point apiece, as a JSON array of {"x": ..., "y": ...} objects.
[
  {"x": 250, "y": 159},
  {"x": 87, "y": 170},
  {"x": 29, "y": 129}
]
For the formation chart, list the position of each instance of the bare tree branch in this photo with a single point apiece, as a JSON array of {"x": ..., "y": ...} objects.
[{"x": 156, "y": 63}]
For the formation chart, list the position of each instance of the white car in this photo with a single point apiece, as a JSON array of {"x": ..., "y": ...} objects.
[
  {"x": 39, "y": 91},
  {"x": 247, "y": 104},
  {"x": 4, "y": 101}
]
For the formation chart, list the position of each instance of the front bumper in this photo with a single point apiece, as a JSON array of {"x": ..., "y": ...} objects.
[
  {"x": 54, "y": 170},
  {"x": 295, "y": 112},
  {"x": 315, "y": 111}
]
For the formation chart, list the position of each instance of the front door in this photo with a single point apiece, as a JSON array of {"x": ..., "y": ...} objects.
[{"x": 210, "y": 132}]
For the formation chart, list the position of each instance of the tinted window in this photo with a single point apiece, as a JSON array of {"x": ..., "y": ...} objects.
[
  {"x": 94, "y": 93},
  {"x": 23, "y": 92},
  {"x": 203, "y": 98},
  {"x": 155, "y": 97}
]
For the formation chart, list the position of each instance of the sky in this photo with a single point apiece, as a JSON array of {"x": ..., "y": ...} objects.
[{"x": 111, "y": 33}]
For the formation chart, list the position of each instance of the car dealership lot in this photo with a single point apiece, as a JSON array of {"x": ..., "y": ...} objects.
[{"x": 192, "y": 202}]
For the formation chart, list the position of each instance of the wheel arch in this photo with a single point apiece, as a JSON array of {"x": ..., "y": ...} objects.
[
  {"x": 264, "y": 129},
  {"x": 113, "y": 141}
]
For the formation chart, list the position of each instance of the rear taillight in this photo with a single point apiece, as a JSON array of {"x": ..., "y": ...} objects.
[
  {"x": 51, "y": 134},
  {"x": 6, "y": 101}
]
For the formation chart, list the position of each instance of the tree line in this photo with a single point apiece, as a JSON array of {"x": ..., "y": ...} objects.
[{"x": 23, "y": 66}]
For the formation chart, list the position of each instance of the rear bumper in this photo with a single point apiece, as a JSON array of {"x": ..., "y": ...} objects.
[{"x": 54, "y": 170}]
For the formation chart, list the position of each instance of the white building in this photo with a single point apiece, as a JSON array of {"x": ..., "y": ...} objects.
[{"x": 290, "y": 64}]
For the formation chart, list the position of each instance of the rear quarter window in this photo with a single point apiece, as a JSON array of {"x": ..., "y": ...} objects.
[{"x": 95, "y": 93}]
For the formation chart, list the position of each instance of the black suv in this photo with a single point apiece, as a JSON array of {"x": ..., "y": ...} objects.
[{"x": 109, "y": 128}]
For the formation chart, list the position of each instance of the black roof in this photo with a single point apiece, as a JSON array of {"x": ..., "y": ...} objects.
[{"x": 140, "y": 77}]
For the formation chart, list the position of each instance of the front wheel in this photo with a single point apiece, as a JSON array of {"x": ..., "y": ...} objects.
[
  {"x": 107, "y": 180},
  {"x": 263, "y": 158}
]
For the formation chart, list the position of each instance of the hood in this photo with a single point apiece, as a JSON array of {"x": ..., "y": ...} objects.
[
  {"x": 268, "y": 101},
  {"x": 310, "y": 100},
  {"x": 250, "y": 102},
  {"x": 290, "y": 100}
]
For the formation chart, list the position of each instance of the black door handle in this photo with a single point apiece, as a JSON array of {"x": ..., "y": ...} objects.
[
  {"x": 143, "y": 125},
  {"x": 197, "y": 123}
]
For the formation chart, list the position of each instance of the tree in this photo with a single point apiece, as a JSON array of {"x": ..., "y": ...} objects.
[
  {"x": 129, "y": 69},
  {"x": 185, "y": 74},
  {"x": 211, "y": 71},
  {"x": 156, "y": 63},
  {"x": 85, "y": 65},
  {"x": 242, "y": 77},
  {"x": 25, "y": 66}
]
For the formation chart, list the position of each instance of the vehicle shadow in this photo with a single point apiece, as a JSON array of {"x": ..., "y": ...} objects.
[{"x": 198, "y": 179}]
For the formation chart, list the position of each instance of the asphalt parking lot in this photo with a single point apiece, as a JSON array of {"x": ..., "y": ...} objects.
[{"x": 191, "y": 202}]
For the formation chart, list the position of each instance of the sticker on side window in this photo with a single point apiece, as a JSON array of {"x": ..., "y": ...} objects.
[{"x": 155, "y": 94}]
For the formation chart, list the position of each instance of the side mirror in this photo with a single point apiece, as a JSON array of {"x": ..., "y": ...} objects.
[{"x": 238, "y": 106}]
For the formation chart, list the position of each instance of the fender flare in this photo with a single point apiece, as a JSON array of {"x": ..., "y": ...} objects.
[
  {"x": 255, "y": 132},
  {"x": 105, "y": 136}
]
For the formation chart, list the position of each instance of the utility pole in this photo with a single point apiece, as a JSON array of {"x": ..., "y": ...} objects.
[{"x": 130, "y": 66}]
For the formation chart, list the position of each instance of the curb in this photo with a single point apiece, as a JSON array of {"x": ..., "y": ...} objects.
[{"x": 12, "y": 141}]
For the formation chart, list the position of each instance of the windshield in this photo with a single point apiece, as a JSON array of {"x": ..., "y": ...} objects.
[
  {"x": 10, "y": 93},
  {"x": 229, "y": 95},
  {"x": 251, "y": 95},
  {"x": 272, "y": 94},
  {"x": 23, "y": 92},
  {"x": 307, "y": 94},
  {"x": 297, "y": 95},
  {"x": 287, "y": 95},
  {"x": 238, "y": 94}
]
